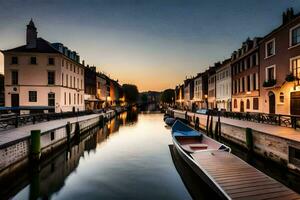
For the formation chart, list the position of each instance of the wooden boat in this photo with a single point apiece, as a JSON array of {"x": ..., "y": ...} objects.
[{"x": 189, "y": 142}]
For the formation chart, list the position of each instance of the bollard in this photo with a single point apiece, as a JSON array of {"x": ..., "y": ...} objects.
[
  {"x": 101, "y": 121},
  {"x": 216, "y": 130},
  {"x": 211, "y": 125},
  {"x": 68, "y": 131},
  {"x": 35, "y": 137},
  {"x": 77, "y": 129},
  {"x": 207, "y": 124},
  {"x": 249, "y": 139}
]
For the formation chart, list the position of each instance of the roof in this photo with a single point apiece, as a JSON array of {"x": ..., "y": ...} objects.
[{"x": 42, "y": 46}]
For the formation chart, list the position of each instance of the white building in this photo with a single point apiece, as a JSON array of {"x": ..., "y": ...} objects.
[
  {"x": 198, "y": 92},
  {"x": 223, "y": 86},
  {"x": 41, "y": 75}
]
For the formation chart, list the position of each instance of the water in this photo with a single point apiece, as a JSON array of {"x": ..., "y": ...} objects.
[
  {"x": 132, "y": 157},
  {"x": 131, "y": 161}
]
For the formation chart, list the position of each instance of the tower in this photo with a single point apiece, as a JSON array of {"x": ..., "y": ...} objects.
[{"x": 31, "y": 35}]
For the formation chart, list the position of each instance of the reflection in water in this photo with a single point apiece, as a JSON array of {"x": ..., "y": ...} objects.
[
  {"x": 132, "y": 162},
  {"x": 190, "y": 179}
]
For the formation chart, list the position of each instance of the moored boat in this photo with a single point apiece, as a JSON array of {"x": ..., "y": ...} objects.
[{"x": 189, "y": 143}]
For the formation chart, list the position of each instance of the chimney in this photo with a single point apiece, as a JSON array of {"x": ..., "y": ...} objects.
[
  {"x": 31, "y": 35},
  {"x": 288, "y": 15},
  {"x": 83, "y": 62}
]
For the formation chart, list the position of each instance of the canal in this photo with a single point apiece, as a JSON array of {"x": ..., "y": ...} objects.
[{"x": 131, "y": 157}]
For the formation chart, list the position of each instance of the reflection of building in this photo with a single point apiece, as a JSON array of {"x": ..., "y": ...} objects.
[
  {"x": 43, "y": 75},
  {"x": 280, "y": 67},
  {"x": 223, "y": 86},
  {"x": 245, "y": 77},
  {"x": 102, "y": 90}
]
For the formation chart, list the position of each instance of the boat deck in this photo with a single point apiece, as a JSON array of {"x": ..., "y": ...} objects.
[{"x": 239, "y": 180}]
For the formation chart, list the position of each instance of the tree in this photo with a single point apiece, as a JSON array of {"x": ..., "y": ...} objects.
[
  {"x": 131, "y": 93},
  {"x": 168, "y": 96}
]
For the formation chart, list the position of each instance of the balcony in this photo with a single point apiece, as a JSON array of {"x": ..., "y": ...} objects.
[
  {"x": 269, "y": 83},
  {"x": 290, "y": 78}
]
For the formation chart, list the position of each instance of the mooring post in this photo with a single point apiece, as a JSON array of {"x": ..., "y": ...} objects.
[
  {"x": 211, "y": 125},
  {"x": 35, "y": 139},
  {"x": 207, "y": 123},
  {"x": 68, "y": 131},
  {"x": 101, "y": 121},
  {"x": 249, "y": 139},
  {"x": 77, "y": 129}
]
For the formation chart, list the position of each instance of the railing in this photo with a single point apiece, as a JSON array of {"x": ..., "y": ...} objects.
[
  {"x": 15, "y": 120},
  {"x": 292, "y": 121}
]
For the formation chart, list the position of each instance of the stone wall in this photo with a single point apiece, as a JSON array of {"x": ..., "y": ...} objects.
[{"x": 270, "y": 146}]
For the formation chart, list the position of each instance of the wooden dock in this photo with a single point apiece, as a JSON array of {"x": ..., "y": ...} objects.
[{"x": 240, "y": 180}]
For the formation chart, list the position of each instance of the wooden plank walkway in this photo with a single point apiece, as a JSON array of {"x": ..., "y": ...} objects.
[{"x": 240, "y": 180}]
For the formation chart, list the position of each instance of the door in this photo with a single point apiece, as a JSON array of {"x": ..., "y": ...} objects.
[
  {"x": 271, "y": 103},
  {"x": 15, "y": 100},
  {"x": 51, "y": 101},
  {"x": 295, "y": 103},
  {"x": 242, "y": 109}
]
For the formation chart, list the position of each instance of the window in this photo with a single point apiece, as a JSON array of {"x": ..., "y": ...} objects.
[
  {"x": 77, "y": 98},
  {"x": 67, "y": 80},
  {"x": 248, "y": 104},
  {"x": 62, "y": 79},
  {"x": 281, "y": 97},
  {"x": 248, "y": 83},
  {"x": 255, "y": 104},
  {"x": 69, "y": 98},
  {"x": 243, "y": 84},
  {"x": 254, "y": 63},
  {"x": 296, "y": 67},
  {"x": 65, "y": 98},
  {"x": 270, "y": 73},
  {"x": 295, "y": 36},
  {"x": 32, "y": 96},
  {"x": 51, "y": 78},
  {"x": 71, "y": 81},
  {"x": 51, "y": 99},
  {"x": 14, "y": 77},
  {"x": 254, "y": 82},
  {"x": 74, "y": 82},
  {"x": 270, "y": 48},
  {"x": 14, "y": 60},
  {"x": 33, "y": 60},
  {"x": 74, "y": 98},
  {"x": 50, "y": 61},
  {"x": 235, "y": 103}
]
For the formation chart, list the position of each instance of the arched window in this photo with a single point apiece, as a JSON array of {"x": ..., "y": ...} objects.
[
  {"x": 235, "y": 103},
  {"x": 281, "y": 97},
  {"x": 248, "y": 104}
]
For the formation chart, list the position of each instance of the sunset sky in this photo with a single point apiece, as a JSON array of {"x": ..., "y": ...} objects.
[{"x": 153, "y": 44}]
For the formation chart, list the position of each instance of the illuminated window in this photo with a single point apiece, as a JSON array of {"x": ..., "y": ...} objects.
[
  {"x": 235, "y": 103},
  {"x": 281, "y": 97},
  {"x": 248, "y": 104},
  {"x": 255, "y": 104}
]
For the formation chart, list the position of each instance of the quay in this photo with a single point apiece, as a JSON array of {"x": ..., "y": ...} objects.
[
  {"x": 16, "y": 144},
  {"x": 277, "y": 143}
]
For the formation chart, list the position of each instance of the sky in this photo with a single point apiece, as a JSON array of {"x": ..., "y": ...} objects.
[{"x": 154, "y": 44}]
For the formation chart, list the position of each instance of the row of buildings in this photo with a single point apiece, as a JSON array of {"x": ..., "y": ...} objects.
[
  {"x": 49, "y": 76},
  {"x": 263, "y": 75}
]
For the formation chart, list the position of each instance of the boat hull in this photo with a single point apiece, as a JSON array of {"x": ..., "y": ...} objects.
[{"x": 201, "y": 173}]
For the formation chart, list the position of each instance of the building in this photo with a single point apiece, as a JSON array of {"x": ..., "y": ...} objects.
[
  {"x": 90, "y": 99},
  {"x": 189, "y": 93},
  {"x": 103, "y": 89},
  {"x": 179, "y": 95},
  {"x": 245, "y": 77},
  {"x": 280, "y": 67},
  {"x": 41, "y": 75},
  {"x": 223, "y": 86},
  {"x": 116, "y": 93},
  {"x": 198, "y": 92},
  {"x": 2, "y": 93},
  {"x": 211, "y": 97}
]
